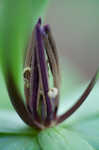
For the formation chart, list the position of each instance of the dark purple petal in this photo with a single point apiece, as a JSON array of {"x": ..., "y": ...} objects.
[
  {"x": 52, "y": 61},
  {"x": 43, "y": 109},
  {"x": 29, "y": 50},
  {"x": 52, "y": 44},
  {"x": 29, "y": 56},
  {"x": 79, "y": 102},
  {"x": 17, "y": 100},
  {"x": 52, "y": 55},
  {"x": 43, "y": 69},
  {"x": 39, "y": 21},
  {"x": 34, "y": 88}
]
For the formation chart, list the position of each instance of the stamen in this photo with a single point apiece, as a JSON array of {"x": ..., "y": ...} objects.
[
  {"x": 27, "y": 64},
  {"x": 52, "y": 44},
  {"x": 43, "y": 70},
  {"x": 52, "y": 62},
  {"x": 26, "y": 75},
  {"x": 42, "y": 102},
  {"x": 51, "y": 51},
  {"x": 26, "y": 70},
  {"x": 53, "y": 92},
  {"x": 34, "y": 88},
  {"x": 29, "y": 49},
  {"x": 31, "y": 91}
]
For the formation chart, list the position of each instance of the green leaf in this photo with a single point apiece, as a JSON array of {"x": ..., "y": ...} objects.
[
  {"x": 59, "y": 139},
  {"x": 88, "y": 108},
  {"x": 17, "y": 19},
  {"x": 88, "y": 129},
  {"x": 14, "y": 133},
  {"x": 44, "y": 141},
  {"x": 11, "y": 124},
  {"x": 94, "y": 142},
  {"x": 86, "y": 120},
  {"x": 18, "y": 143},
  {"x": 4, "y": 98}
]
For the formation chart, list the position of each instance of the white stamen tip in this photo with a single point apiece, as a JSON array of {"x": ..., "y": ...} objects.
[
  {"x": 53, "y": 92},
  {"x": 27, "y": 69}
]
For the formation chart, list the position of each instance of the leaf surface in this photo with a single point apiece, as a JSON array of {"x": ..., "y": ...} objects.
[
  {"x": 62, "y": 139},
  {"x": 85, "y": 121},
  {"x": 18, "y": 143},
  {"x": 17, "y": 135}
]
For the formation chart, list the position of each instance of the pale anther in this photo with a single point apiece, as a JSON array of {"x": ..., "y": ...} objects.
[{"x": 53, "y": 92}]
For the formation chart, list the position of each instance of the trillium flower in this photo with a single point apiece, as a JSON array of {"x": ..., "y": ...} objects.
[{"x": 42, "y": 101}]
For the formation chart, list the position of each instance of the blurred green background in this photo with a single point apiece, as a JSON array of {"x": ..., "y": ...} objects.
[{"x": 75, "y": 26}]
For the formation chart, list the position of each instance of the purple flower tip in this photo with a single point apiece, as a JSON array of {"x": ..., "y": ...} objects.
[
  {"x": 47, "y": 28},
  {"x": 39, "y": 21},
  {"x": 39, "y": 28}
]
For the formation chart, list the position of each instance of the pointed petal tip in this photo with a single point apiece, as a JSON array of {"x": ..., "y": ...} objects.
[
  {"x": 47, "y": 28},
  {"x": 39, "y": 21}
]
